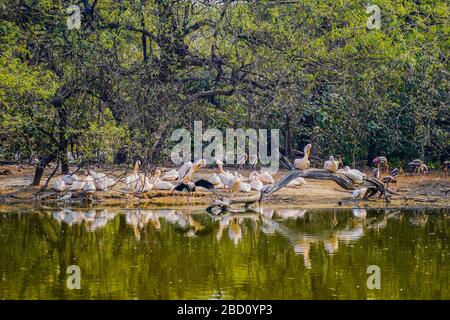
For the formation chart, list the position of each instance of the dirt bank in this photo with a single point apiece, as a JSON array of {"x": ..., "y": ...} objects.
[{"x": 420, "y": 191}]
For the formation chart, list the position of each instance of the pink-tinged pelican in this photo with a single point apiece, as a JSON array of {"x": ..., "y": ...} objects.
[
  {"x": 225, "y": 177},
  {"x": 188, "y": 169},
  {"x": 355, "y": 175},
  {"x": 303, "y": 163},
  {"x": 255, "y": 183},
  {"x": 132, "y": 179},
  {"x": 244, "y": 186},
  {"x": 159, "y": 184},
  {"x": 331, "y": 164},
  {"x": 171, "y": 175},
  {"x": 266, "y": 177},
  {"x": 235, "y": 184}
]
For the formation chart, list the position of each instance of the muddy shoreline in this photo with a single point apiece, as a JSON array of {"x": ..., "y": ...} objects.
[{"x": 420, "y": 192}]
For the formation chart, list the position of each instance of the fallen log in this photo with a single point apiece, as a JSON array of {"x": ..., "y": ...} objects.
[{"x": 373, "y": 186}]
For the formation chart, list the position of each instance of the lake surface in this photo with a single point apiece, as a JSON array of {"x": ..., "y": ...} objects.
[{"x": 179, "y": 254}]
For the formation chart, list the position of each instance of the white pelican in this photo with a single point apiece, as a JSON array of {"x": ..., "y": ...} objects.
[
  {"x": 235, "y": 183},
  {"x": 80, "y": 183},
  {"x": 77, "y": 185},
  {"x": 101, "y": 182},
  {"x": 66, "y": 197},
  {"x": 331, "y": 165},
  {"x": 243, "y": 186},
  {"x": 215, "y": 180},
  {"x": 158, "y": 184},
  {"x": 89, "y": 185},
  {"x": 70, "y": 178},
  {"x": 255, "y": 183},
  {"x": 303, "y": 163},
  {"x": 266, "y": 177},
  {"x": 355, "y": 175},
  {"x": 134, "y": 177},
  {"x": 171, "y": 175},
  {"x": 97, "y": 176},
  {"x": 296, "y": 182},
  {"x": 225, "y": 177},
  {"x": 188, "y": 169},
  {"x": 143, "y": 184},
  {"x": 59, "y": 185}
]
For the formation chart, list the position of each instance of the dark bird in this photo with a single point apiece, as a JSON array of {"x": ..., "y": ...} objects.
[
  {"x": 192, "y": 186},
  {"x": 391, "y": 178},
  {"x": 394, "y": 172},
  {"x": 419, "y": 166}
]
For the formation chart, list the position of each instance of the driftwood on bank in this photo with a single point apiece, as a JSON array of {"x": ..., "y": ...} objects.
[{"x": 373, "y": 186}]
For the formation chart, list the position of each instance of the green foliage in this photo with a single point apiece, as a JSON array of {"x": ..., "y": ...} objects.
[{"x": 155, "y": 65}]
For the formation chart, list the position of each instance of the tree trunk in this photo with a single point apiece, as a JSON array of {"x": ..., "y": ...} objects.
[
  {"x": 64, "y": 161},
  {"x": 144, "y": 37},
  {"x": 63, "y": 140},
  {"x": 40, "y": 169},
  {"x": 288, "y": 136}
]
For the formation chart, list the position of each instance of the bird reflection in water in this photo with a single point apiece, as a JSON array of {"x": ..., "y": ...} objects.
[
  {"x": 329, "y": 230},
  {"x": 93, "y": 219}
]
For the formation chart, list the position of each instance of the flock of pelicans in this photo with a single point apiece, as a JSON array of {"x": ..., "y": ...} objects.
[{"x": 182, "y": 179}]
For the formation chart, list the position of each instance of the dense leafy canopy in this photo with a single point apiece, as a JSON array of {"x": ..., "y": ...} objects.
[{"x": 138, "y": 69}]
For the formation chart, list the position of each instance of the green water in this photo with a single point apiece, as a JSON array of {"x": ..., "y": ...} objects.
[{"x": 173, "y": 254}]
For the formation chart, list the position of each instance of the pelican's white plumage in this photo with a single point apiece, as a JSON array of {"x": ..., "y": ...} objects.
[
  {"x": 235, "y": 184},
  {"x": 143, "y": 184},
  {"x": 214, "y": 179},
  {"x": 255, "y": 183},
  {"x": 132, "y": 179},
  {"x": 353, "y": 174},
  {"x": 266, "y": 178},
  {"x": 59, "y": 185},
  {"x": 303, "y": 163},
  {"x": 77, "y": 185},
  {"x": 296, "y": 182},
  {"x": 225, "y": 177},
  {"x": 70, "y": 178},
  {"x": 188, "y": 169},
  {"x": 89, "y": 185},
  {"x": 245, "y": 187},
  {"x": 171, "y": 175},
  {"x": 159, "y": 184},
  {"x": 331, "y": 164}
]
